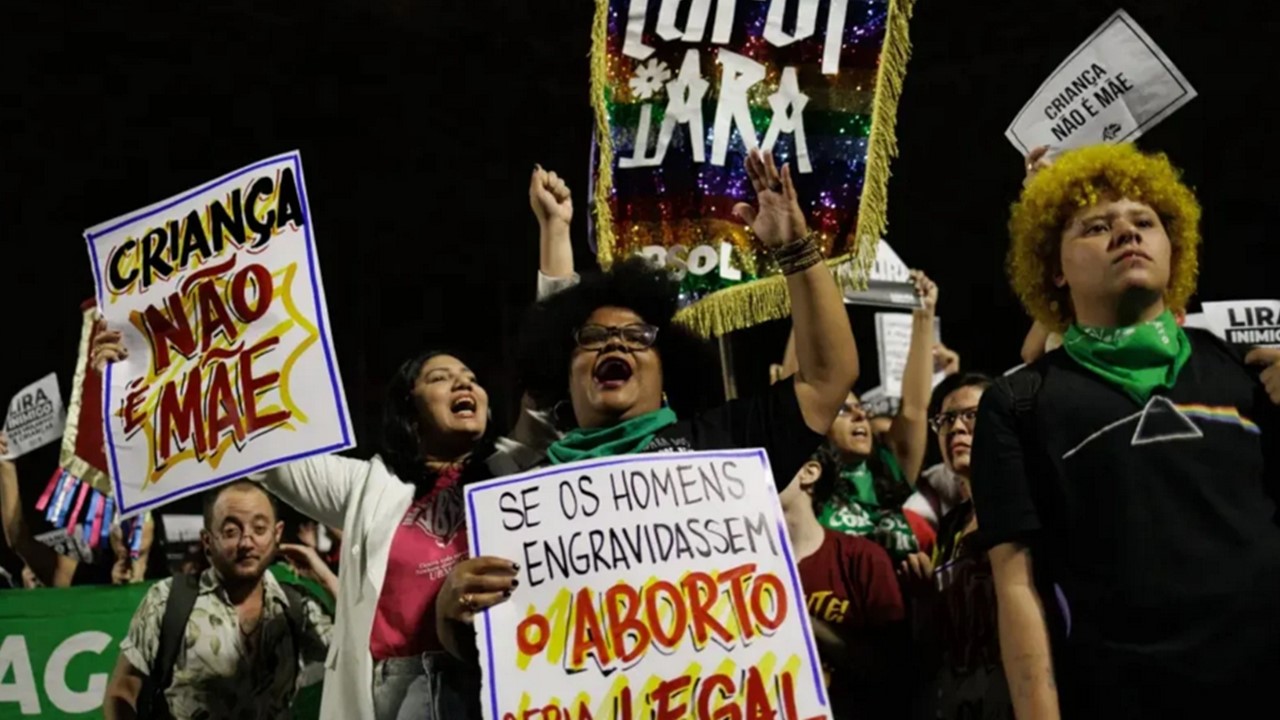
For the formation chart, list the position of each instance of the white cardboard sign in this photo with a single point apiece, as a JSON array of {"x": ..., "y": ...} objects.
[
  {"x": 648, "y": 584},
  {"x": 893, "y": 343},
  {"x": 1117, "y": 85},
  {"x": 230, "y": 367},
  {"x": 36, "y": 416},
  {"x": 1244, "y": 322},
  {"x": 888, "y": 284}
]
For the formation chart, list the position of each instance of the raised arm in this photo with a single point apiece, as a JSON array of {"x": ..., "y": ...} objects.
[
  {"x": 49, "y": 566},
  {"x": 1024, "y": 636},
  {"x": 552, "y": 204},
  {"x": 826, "y": 356},
  {"x": 908, "y": 436}
]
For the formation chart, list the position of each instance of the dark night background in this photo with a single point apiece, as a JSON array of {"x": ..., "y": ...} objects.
[{"x": 419, "y": 123}]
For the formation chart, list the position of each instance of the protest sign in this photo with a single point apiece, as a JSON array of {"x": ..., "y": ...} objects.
[
  {"x": 888, "y": 283},
  {"x": 681, "y": 95},
  {"x": 36, "y": 416},
  {"x": 230, "y": 367},
  {"x": 659, "y": 585},
  {"x": 1249, "y": 323},
  {"x": 58, "y": 647},
  {"x": 70, "y": 544},
  {"x": 1117, "y": 85},
  {"x": 893, "y": 342}
]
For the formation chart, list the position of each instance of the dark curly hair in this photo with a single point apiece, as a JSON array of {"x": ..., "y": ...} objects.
[
  {"x": 401, "y": 443},
  {"x": 546, "y": 342},
  {"x": 891, "y": 491}
]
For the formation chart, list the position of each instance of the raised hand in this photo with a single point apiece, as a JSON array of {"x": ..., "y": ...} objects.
[
  {"x": 1037, "y": 160},
  {"x": 927, "y": 291},
  {"x": 4, "y": 449},
  {"x": 550, "y": 198},
  {"x": 474, "y": 585},
  {"x": 945, "y": 360},
  {"x": 778, "y": 220}
]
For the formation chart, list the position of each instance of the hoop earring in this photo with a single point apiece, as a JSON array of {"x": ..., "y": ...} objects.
[
  {"x": 562, "y": 414},
  {"x": 665, "y": 402}
]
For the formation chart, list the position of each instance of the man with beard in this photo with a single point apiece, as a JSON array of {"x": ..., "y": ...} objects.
[{"x": 245, "y": 637}]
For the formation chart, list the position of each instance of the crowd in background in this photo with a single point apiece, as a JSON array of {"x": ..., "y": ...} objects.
[{"x": 880, "y": 508}]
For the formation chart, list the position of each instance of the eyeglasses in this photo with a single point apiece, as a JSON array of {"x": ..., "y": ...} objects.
[
  {"x": 636, "y": 336},
  {"x": 867, "y": 409},
  {"x": 945, "y": 420}
]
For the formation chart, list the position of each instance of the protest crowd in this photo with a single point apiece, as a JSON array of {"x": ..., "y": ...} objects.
[{"x": 1093, "y": 534}]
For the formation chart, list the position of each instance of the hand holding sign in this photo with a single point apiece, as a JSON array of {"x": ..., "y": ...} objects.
[
  {"x": 779, "y": 219},
  {"x": 1269, "y": 358},
  {"x": 4, "y": 450},
  {"x": 108, "y": 347},
  {"x": 1037, "y": 160},
  {"x": 474, "y": 585},
  {"x": 928, "y": 292}
]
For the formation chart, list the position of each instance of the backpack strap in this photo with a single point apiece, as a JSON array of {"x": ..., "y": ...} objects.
[
  {"x": 294, "y": 611},
  {"x": 173, "y": 630}
]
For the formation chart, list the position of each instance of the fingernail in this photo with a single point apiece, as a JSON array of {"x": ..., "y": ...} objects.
[
  {"x": 515, "y": 583},
  {"x": 506, "y": 593},
  {"x": 515, "y": 567}
]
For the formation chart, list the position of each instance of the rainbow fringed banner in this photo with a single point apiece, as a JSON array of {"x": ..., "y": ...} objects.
[
  {"x": 78, "y": 495},
  {"x": 682, "y": 89}
]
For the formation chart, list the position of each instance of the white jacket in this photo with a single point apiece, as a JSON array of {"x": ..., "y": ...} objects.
[{"x": 368, "y": 501}]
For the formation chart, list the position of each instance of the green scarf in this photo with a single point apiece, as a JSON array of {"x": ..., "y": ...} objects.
[
  {"x": 864, "y": 487},
  {"x": 625, "y": 438},
  {"x": 1139, "y": 359}
]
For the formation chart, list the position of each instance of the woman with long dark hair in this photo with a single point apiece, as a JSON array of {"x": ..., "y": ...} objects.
[
  {"x": 879, "y": 474},
  {"x": 401, "y": 512}
]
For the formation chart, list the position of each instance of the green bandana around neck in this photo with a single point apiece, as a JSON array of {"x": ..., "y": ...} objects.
[
  {"x": 1139, "y": 359},
  {"x": 864, "y": 488},
  {"x": 625, "y": 438}
]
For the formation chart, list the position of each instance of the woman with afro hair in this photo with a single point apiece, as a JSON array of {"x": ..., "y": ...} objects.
[
  {"x": 1123, "y": 483},
  {"x": 606, "y": 352}
]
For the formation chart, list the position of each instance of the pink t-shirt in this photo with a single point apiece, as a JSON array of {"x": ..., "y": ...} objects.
[{"x": 431, "y": 539}]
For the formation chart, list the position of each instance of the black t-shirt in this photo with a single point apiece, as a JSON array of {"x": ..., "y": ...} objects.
[
  {"x": 771, "y": 420},
  {"x": 1152, "y": 528}
]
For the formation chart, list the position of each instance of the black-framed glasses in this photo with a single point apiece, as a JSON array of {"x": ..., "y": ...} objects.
[
  {"x": 947, "y": 419},
  {"x": 637, "y": 336}
]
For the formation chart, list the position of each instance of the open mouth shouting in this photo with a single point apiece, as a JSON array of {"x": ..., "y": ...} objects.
[
  {"x": 612, "y": 372},
  {"x": 860, "y": 432},
  {"x": 463, "y": 406}
]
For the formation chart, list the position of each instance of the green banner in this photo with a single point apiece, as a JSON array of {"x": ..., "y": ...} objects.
[{"x": 58, "y": 647}]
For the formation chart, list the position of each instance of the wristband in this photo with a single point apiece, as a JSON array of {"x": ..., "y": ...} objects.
[{"x": 798, "y": 255}]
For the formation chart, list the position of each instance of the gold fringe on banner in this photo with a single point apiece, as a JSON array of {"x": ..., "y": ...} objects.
[
  {"x": 604, "y": 138},
  {"x": 748, "y": 304}
]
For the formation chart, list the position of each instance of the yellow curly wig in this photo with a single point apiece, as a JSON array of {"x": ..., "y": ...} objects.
[{"x": 1079, "y": 179}]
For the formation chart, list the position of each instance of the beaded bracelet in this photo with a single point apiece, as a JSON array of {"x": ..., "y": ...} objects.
[{"x": 798, "y": 255}]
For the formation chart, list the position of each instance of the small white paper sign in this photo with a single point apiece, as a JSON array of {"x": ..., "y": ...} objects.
[
  {"x": 647, "y": 584},
  {"x": 1244, "y": 322},
  {"x": 888, "y": 284},
  {"x": 68, "y": 544},
  {"x": 36, "y": 416},
  {"x": 893, "y": 341},
  {"x": 1117, "y": 85},
  {"x": 182, "y": 528}
]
